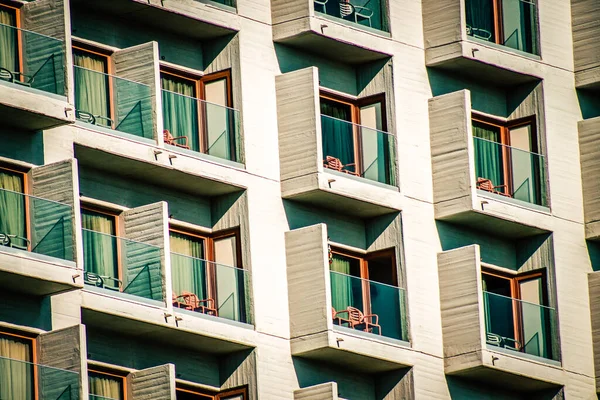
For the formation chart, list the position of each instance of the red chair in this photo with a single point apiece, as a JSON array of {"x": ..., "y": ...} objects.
[
  {"x": 488, "y": 186},
  {"x": 169, "y": 139},
  {"x": 363, "y": 322},
  {"x": 336, "y": 164},
  {"x": 190, "y": 301}
]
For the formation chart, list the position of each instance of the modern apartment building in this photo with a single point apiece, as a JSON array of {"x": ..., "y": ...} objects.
[{"x": 299, "y": 199}]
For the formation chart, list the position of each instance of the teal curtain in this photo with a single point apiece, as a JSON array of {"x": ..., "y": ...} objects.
[
  {"x": 480, "y": 19},
  {"x": 9, "y": 56},
  {"x": 341, "y": 283},
  {"x": 337, "y": 132},
  {"x": 188, "y": 267},
  {"x": 99, "y": 244},
  {"x": 91, "y": 84},
  {"x": 488, "y": 153},
  {"x": 104, "y": 387},
  {"x": 180, "y": 109},
  {"x": 12, "y": 204},
  {"x": 16, "y": 372}
]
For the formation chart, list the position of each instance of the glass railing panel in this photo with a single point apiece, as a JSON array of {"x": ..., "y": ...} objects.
[
  {"x": 358, "y": 150},
  {"x": 520, "y": 326},
  {"x": 97, "y": 397},
  {"x": 230, "y": 3},
  {"x": 22, "y": 380},
  {"x": 369, "y": 13},
  {"x": 34, "y": 224},
  {"x": 201, "y": 126},
  {"x": 518, "y": 20},
  {"x": 382, "y": 307},
  {"x": 32, "y": 60},
  {"x": 113, "y": 102},
  {"x": 210, "y": 288},
  {"x": 122, "y": 265},
  {"x": 513, "y": 172}
]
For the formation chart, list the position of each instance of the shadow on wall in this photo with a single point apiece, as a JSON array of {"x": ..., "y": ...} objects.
[
  {"x": 462, "y": 389},
  {"x": 355, "y": 385},
  {"x": 34, "y": 312},
  {"x": 22, "y": 145},
  {"x": 589, "y": 102},
  {"x": 594, "y": 253},
  {"x": 495, "y": 100}
]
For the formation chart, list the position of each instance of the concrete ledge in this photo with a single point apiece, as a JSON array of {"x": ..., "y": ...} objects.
[
  {"x": 37, "y": 275},
  {"x": 32, "y": 109},
  {"x": 588, "y": 78}
]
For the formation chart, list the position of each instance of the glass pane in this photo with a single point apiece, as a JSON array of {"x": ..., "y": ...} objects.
[
  {"x": 519, "y": 25},
  {"x": 104, "y": 386},
  {"x": 217, "y": 119},
  {"x": 180, "y": 110},
  {"x": 91, "y": 84},
  {"x": 523, "y": 171},
  {"x": 187, "y": 273},
  {"x": 12, "y": 204},
  {"x": 9, "y": 56},
  {"x": 534, "y": 325},
  {"x": 229, "y": 280},
  {"x": 16, "y": 378},
  {"x": 100, "y": 250},
  {"x": 480, "y": 19}
]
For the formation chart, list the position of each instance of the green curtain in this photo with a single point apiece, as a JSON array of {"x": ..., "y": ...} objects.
[
  {"x": 91, "y": 84},
  {"x": 99, "y": 244},
  {"x": 9, "y": 57},
  {"x": 16, "y": 372},
  {"x": 188, "y": 267},
  {"x": 105, "y": 386},
  {"x": 341, "y": 283},
  {"x": 180, "y": 110},
  {"x": 480, "y": 18},
  {"x": 12, "y": 204},
  {"x": 337, "y": 134},
  {"x": 488, "y": 153}
]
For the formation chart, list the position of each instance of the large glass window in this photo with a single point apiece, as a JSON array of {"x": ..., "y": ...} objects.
[
  {"x": 92, "y": 86},
  {"x": 105, "y": 385},
  {"x": 188, "y": 393},
  {"x": 100, "y": 248},
  {"x": 13, "y": 218},
  {"x": 9, "y": 47},
  {"x": 16, "y": 368}
]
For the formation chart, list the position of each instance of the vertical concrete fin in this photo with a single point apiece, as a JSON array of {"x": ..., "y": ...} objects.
[
  {"x": 148, "y": 229},
  {"x": 451, "y": 145},
  {"x": 54, "y": 223},
  {"x": 239, "y": 370},
  {"x": 440, "y": 22},
  {"x": 586, "y": 30},
  {"x": 308, "y": 280},
  {"x": 461, "y": 300},
  {"x": 156, "y": 383},
  {"x": 64, "y": 349},
  {"x": 288, "y": 10},
  {"x": 589, "y": 147},
  {"x": 299, "y": 122},
  {"x": 137, "y": 107},
  {"x": 324, "y": 391},
  {"x": 594, "y": 288}
]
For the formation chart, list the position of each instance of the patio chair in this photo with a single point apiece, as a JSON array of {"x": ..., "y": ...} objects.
[
  {"x": 193, "y": 303},
  {"x": 322, "y": 3},
  {"x": 169, "y": 139},
  {"x": 501, "y": 341},
  {"x": 9, "y": 241},
  {"x": 90, "y": 118},
  {"x": 364, "y": 322},
  {"x": 91, "y": 278},
  {"x": 479, "y": 33},
  {"x": 360, "y": 13},
  {"x": 13, "y": 77},
  {"x": 337, "y": 320},
  {"x": 488, "y": 186},
  {"x": 336, "y": 164}
]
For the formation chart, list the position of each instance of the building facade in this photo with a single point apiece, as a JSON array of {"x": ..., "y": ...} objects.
[{"x": 299, "y": 199}]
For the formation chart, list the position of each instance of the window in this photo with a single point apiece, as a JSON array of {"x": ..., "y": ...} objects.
[
  {"x": 93, "y": 85},
  {"x": 17, "y": 373},
  {"x": 511, "y": 23},
  {"x": 101, "y": 248},
  {"x": 105, "y": 385},
  {"x": 352, "y": 132},
  {"x": 13, "y": 207},
  {"x": 517, "y": 316},
  {"x": 188, "y": 393},
  {"x": 198, "y": 109},
  {"x": 368, "y": 283},
  {"x": 9, "y": 46},
  {"x": 207, "y": 274},
  {"x": 506, "y": 153}
]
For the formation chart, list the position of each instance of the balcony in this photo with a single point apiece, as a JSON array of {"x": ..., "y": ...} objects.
[
  {"x": 202, "y": 127},
  {"x": 481, "y": 183},
  {"x": 33, "y": 84},
  {"x": 211, "y": 289},
  {"x": 492, "y": 338},
  {"x": 495, "y": 40},
  {"x": 356, "y": 31},
  {"x": 328, "y": 162},
  {"x": 123, "y": 267},
  {"x": 114, "y": 104},
  {"x": 25, "y": 380},
  {"x": 37, "y": 244}
]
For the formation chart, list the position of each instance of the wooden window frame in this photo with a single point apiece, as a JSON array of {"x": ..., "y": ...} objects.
[
  {"x": 199, "y": 81},
  {"x": 110, "y": 372},
  {"x": 213, "y": 395},
  {"x": 106, "y": 54},
  {"x": 16, "y": 7},
  {"x": 505, "y": 128},
  {"x": 25, "y": 178},
  {"x": 34, "y": 354},
  {"x": 364, "y": 270},
  {"x": 355, "y": 107},
  {"x": 515, "y": 294}
]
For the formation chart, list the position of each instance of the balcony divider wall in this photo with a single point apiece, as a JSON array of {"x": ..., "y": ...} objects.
[{"x": 589, "y": 147}]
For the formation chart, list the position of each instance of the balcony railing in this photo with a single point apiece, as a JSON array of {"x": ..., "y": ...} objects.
[
  {"x": 35, "y": 60},
  {"x": 514, "y": 25},
  {"x": 122, "y": 265},
  {"x": 514, "y": 173},
  {"x": 520, "y": 326},
  {"x": 211, "y": 288},
  {"x": 357, "y": 150},
  {"x": 114, "y": 103},
  {"x": 25, "y": 380},
  {"x": 381, "y": 308},
  {"x": 370, "y": 13},
  {"x": 201, "y": 126},
  {"x": 37, "y": 225},
  {"x": 96, "y": 397}
]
